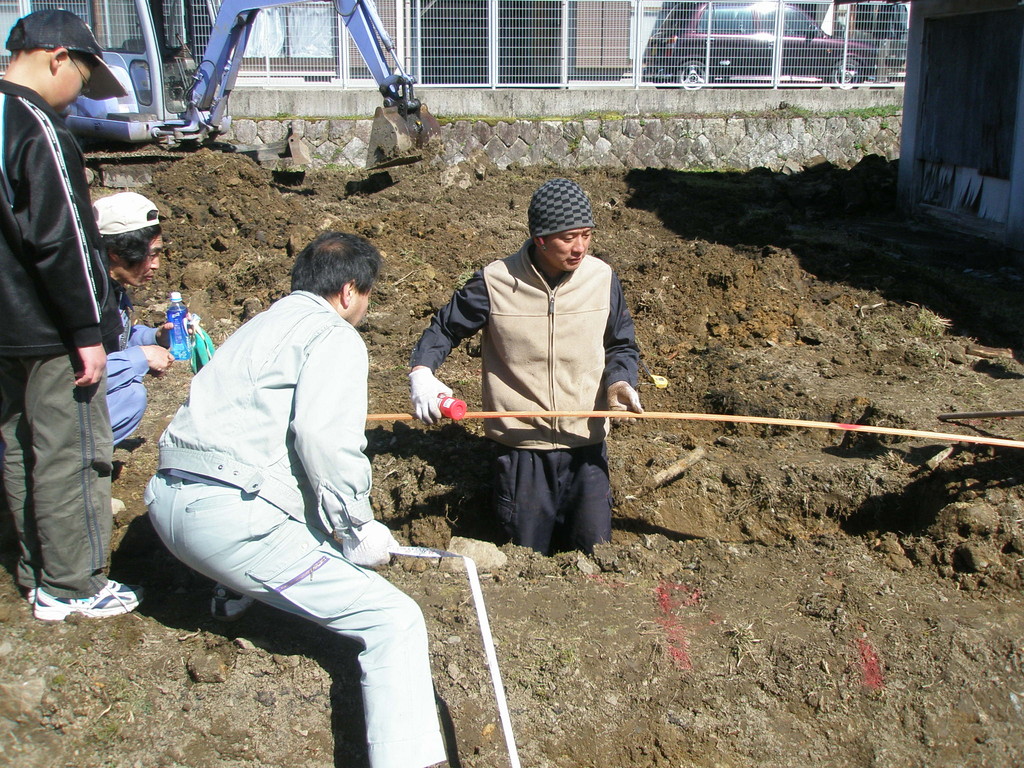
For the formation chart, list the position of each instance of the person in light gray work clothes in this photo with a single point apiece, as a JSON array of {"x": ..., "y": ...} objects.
[{"x": 263, "y": 486}]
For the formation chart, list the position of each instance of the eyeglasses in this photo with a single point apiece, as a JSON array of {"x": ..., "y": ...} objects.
[{"x": 81, "y": 74}]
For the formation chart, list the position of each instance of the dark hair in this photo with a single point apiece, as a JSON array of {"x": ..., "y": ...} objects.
[
  {"x": 334, "y": 259},
  {"x": 132, "y": 247}
]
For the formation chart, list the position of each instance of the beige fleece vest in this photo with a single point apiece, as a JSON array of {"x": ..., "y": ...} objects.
[{"x": 543, "y": 350}]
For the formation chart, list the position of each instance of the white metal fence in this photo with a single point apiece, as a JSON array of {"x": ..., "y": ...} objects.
[
  {"x": 587, "y": 43},
  {"x": 558, "y": 43}
]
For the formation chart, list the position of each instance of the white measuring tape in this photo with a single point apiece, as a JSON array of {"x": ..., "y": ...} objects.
[{"x": 485, "y": 634}]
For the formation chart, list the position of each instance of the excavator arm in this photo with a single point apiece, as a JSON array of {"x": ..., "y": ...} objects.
[
  {"x": 402, "y": 122},
  {"x": 216, "y": 75}
]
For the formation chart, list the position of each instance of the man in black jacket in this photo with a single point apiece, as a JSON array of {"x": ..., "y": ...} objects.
[{"x": 60, "y": 319}]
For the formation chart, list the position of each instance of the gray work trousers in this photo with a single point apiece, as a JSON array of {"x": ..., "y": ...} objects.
[
  {"x": 56, "y": 469},
  {"x": 249, "y": 545}
]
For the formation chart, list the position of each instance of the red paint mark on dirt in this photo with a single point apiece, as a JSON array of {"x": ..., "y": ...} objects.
[
  {"x": 671, "y": 597},
  {"x": 870, "y": 666},
  {"x": 667, "y": 600},
  {"x": 678, "y": 642}
]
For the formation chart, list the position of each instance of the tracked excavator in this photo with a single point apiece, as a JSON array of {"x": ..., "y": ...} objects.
[{"x": 178, "y": 83}]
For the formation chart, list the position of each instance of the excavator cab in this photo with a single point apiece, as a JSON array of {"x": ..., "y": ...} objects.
[
  {"x": 179, "y": 62},
  {"x": 148, "y": 47}
]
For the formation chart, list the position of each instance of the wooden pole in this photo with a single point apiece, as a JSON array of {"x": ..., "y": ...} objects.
[
  {"x": 677, "y": 468},
  {"x": 720, "y": 418},
  {"x": 980, "y": 415}
]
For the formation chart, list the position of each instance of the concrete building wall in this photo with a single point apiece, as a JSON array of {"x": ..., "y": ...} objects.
[{"x": 942, "y": 112}]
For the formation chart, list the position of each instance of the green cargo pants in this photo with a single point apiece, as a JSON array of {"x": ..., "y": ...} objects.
[{"x": 56, "y": 470}]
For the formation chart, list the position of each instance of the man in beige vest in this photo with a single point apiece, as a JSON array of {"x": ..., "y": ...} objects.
[{"x": 557, "y": 336}]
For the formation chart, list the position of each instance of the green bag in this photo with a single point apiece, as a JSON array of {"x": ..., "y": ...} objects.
[{"x": 202, "y": 348}]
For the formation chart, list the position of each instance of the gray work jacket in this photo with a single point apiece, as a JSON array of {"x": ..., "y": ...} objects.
[{"x": 280, "y": 412}]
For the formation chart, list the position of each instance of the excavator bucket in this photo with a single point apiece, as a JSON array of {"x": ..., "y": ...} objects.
[{"x": 398, "y": 135}]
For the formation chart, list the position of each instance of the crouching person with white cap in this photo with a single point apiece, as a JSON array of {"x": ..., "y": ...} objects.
[
  {"x": 263, "y": 486},
  {"x": 557, "y": 336},
  {"x": 130, "y": 226}
]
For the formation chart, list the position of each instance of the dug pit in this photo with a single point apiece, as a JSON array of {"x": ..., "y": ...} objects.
[{"x": 791, "y": 597}]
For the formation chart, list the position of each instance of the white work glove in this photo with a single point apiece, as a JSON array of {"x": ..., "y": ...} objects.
[
  {"x": 424, "y": 389},
  {"x": 622, "y": 397},
  {"x": 370, "y": 545}
]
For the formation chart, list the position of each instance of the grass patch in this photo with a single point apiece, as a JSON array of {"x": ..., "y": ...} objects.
[
  {"x": 784, "y": 112},
  {"x": 929, "y": 325}
]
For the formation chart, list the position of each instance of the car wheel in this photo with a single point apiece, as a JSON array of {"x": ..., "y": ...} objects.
[
  {"x": 845, "y": 75},
  {"x": 692, "y": 75}
]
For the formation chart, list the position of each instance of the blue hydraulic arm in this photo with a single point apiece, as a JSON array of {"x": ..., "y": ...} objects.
[{"x": 216, "y": 75}]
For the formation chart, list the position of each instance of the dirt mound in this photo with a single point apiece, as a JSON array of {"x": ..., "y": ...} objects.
[{"x": 794, "y": 597}]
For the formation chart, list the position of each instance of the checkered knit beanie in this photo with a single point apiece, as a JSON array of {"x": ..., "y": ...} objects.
[{"x": 558, "y": 205}]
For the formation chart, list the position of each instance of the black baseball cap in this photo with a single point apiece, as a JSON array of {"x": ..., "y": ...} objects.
[{"x": 52, "y": 29}]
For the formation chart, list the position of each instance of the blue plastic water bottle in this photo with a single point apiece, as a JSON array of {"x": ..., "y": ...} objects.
[{"x": 177, "y": 316}]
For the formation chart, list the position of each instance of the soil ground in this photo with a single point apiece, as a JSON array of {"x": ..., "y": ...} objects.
[{"x": 797, "y": 597}]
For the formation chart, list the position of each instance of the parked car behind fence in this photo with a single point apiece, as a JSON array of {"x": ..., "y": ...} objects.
[
  {"x": 886, "y": 25},
  {"x": 694, "y": 44}
]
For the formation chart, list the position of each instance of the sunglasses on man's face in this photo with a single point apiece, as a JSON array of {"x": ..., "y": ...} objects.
[{"x": 84, "y": 71}]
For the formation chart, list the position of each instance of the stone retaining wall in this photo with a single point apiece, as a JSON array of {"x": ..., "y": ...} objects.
[{"x": 739, "y": 143}]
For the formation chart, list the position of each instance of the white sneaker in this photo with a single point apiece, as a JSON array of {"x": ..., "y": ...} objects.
[
  {"x": 228, "y": 605},
  {"x": 112, "y": 600}
]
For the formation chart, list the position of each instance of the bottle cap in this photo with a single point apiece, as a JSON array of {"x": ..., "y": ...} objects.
[
  {"x": 175, "y": 296},
  {"x": 452, "y": 407}
]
